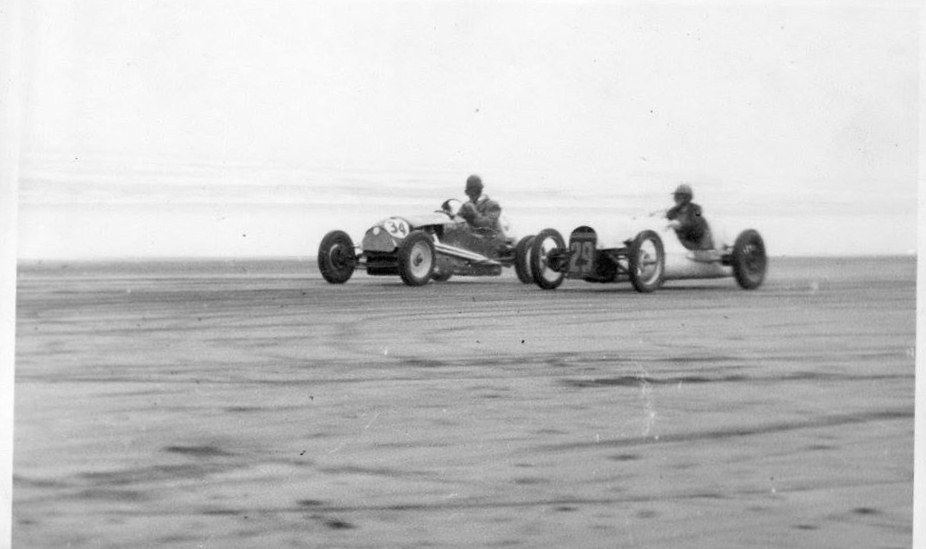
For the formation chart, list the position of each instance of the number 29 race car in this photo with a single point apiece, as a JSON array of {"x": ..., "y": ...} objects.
[
  {"x": 646, "y": 259},
  {"x": 421, "y": 248}
]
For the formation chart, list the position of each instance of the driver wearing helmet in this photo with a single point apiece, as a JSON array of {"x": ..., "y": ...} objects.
[
  {"x": 685, "y": 217},
  {"x": 481, "y": 213}
]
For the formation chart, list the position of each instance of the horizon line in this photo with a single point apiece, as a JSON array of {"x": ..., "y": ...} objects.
[{"x": 269, "y": 258}]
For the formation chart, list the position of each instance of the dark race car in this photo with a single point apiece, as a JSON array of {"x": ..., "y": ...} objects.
[{"x": 418, "y": 249}]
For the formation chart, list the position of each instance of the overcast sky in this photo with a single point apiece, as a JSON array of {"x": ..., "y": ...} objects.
[{"x": 229, "y": 128}]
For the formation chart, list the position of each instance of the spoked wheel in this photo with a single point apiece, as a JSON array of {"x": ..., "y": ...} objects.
[
  {"x": 545, "y": 261},
  {"x": 522, "y": 259},
  {"x": 417, "y": 259},
  {"x": 749, "y": 260},
  {"x": 647, "y": 262},
  {"x": 336, "y": 257}
]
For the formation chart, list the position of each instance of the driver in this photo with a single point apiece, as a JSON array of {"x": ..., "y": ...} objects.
[
  {"x": 481, "y": 213},
  {"x": 685, "y": 217}
]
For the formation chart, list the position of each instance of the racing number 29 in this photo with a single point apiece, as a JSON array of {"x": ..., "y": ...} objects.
[{"x": 582, "y": 256}]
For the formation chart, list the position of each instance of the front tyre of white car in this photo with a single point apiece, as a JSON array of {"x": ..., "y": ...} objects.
[
  {"x": 647, "y": 262},
  {"x": 417, "y": 259},
  {"x": 749, "y": 260},
  {"x": 544, "y": 251},
  {"x": 522, "y": 259},
  {"x": 336, "y": 257}
]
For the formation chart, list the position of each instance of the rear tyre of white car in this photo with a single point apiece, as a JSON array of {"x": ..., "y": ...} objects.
[
  {"x": 647, "y": 262},
  {"x": 336, "y": 257},
  {"x": 543, "y": 250},
  {"x": 522, "y": 259},
  {"x": 417, "y": 259},
  {"x": 749, "y": 260}
]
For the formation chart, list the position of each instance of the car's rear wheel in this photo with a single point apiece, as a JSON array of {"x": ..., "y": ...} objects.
[
  {"x": 749, "y": 260},
  {"x": 336, "y": 257},
  {"x": 647, "y": 262},
  {"x": 441, "y": 275},
  {"x": 416, "y": 259},
  {"x": 522, "y": 259},
  {"x": 544, "y": 260}
]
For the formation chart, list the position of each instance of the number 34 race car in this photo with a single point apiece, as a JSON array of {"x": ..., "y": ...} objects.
[
  {"x": 646, "y": 260},
  {"x": 418, "y": 249}
]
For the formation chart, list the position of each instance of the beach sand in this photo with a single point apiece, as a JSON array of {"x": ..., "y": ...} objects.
[{"x": 250, "y": 404}]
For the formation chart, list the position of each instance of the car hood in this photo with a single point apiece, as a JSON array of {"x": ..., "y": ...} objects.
[{"x": 387, "y": 233}]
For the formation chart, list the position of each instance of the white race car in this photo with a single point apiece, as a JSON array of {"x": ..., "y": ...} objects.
[{"x": 650, "y": 256}]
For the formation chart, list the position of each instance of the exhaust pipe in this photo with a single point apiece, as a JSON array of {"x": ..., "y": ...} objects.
[{"x": 463, "y": 254}]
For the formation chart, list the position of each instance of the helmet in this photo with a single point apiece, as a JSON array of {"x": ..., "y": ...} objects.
[
  {"x": 684, "y": 190},
  {"x": 473, "y": 183}
]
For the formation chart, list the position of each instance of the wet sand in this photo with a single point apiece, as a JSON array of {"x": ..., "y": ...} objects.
[{"x": 250, "y": 404}]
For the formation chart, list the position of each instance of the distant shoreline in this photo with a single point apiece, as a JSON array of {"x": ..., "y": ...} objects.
[{"x": 307, "y": 259}]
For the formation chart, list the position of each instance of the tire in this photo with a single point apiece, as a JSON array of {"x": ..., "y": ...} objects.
[
  {"x": 441, "y": 275},
  {"x": 749, "y": 260},
  {"x": 336, "y": 257},
  {"x": 417, "y": 259},
  {"x": 647, "y": 262},
  {"x": 545, "y": 275},
  {"x": 522, "y": 259}
]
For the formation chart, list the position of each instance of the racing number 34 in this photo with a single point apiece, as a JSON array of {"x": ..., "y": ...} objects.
[
  {"x": 582, "y": 256},
  {"x": 396, "y": 227}
]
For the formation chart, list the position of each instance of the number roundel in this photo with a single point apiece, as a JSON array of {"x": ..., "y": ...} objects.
[
  {"x": 396, "y": 227},
  {"x": 582, "y": 245},
  {"x": 582, "y": 259}
]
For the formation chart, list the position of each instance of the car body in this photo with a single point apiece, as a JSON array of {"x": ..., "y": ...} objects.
[
  {"x": 421, "y": 248},
  {"x": 646, "y": 254}
]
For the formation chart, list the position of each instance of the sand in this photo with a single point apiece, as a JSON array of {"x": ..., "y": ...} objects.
[{"x": 250, "y": 404}]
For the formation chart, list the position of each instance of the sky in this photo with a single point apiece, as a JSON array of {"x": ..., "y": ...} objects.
[{"x": 245, "y": 129}]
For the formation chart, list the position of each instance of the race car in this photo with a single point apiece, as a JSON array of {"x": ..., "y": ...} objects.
[
  {"x": 652, "y": 255},
  {"x": 422, "y": 248}
]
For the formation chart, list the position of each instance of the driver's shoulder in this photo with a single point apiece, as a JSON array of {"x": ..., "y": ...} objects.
[{"x": 486, "y": 202}]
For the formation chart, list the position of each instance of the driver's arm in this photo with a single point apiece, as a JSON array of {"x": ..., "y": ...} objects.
[
  {"x": 489, "y": 219},
  {"x": 467, "y": 211}
]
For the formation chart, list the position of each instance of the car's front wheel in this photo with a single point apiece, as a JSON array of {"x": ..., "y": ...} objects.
[
  {"x": 417, "y": 258},
  {"x": 544, "y": 259},
  {"x": 336, "y": 257}
]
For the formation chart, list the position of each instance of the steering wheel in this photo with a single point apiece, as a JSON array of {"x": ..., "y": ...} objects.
[{"x": 451, "y": 207}]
